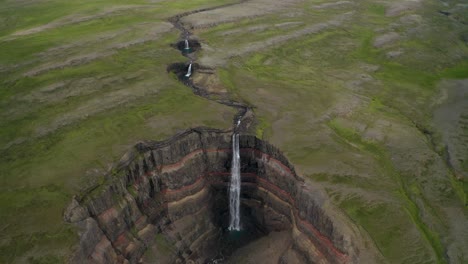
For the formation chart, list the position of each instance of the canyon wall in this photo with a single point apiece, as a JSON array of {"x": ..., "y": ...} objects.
[{"x": 175, "y": 191}]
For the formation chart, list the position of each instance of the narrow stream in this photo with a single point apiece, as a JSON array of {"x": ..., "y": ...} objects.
[
  {"x": 234, "y": 237},
  {"x": 242, "y": 108}
]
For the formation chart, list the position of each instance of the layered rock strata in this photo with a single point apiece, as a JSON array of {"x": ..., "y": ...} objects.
[{"x": 175, "y": 190}]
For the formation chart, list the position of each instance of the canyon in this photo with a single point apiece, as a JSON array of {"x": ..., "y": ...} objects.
[
  {"x": 352, "y": 137},
  {"x": 177, "y": 189}
]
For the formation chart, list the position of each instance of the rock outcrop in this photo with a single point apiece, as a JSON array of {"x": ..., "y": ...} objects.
[{"x": 176, "y": 191}]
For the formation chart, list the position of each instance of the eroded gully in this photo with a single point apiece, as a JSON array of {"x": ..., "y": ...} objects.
[{"x": 240, "y": 120}]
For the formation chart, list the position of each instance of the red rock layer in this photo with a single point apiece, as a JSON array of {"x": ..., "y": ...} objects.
[{"x": 168, "y": 188}]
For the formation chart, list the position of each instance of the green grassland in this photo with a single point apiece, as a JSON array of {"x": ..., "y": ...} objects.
[
  {"x": 348, "y": 116},
  {"x": 70, "y": 136},
  {"x": 345, "y": 114}
]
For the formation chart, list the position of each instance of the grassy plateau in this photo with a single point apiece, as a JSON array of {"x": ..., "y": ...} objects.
[{"x": 368, "y": 99}]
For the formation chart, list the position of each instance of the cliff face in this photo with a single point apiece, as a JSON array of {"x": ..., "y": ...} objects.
[{"x": 177, "y": 189}]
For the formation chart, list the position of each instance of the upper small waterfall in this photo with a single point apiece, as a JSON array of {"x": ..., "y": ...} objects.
[
  {"x": 187, "y": 46},
  {"x": 235, "y": 186},
  {"x": 189, "y": 71}
]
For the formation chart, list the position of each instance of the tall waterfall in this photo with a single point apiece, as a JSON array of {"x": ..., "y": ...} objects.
[
  {"x": 235, "y": 186},
  {"x": 189, "y": 71},
  {"x": 187, "y": 47}
]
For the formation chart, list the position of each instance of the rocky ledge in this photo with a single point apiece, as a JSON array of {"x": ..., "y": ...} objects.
[{"x": 168, "y": 201}]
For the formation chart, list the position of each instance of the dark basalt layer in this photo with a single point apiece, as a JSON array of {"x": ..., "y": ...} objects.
[{"x": 177, "y": 189}]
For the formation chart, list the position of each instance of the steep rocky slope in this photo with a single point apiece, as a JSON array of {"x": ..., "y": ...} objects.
[{"x": 178, "y": 189}]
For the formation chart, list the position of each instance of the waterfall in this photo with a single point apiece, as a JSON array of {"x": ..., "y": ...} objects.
[
  {"x": 189, "y": 71},
  {"x": 235, "y": 186},
  {"x": 187, "y": 47}
]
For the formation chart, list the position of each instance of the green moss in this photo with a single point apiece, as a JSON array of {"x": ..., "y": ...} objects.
[
  {"x": 262, "y": 127},
  {"x": 459, "y": 71},
  {"x": 376, "y": 9},
  {"x": 55, "y": 245},
  {"x": 365, "y": 50},
  {"x": 163, "y": 245},
  {"x": 353, "y": 137},
  {"x": 387, "y": 233},
  {"x": 134, "y": 231},
  {"x": 465, "y": 191},
  {"x": 432, "y": 238},
  {"x": 47, "y": 259},
  {"x": 461, "y": 189},
  {"x": 132, "y": 191},
  {"x": 226, "y": 79}
]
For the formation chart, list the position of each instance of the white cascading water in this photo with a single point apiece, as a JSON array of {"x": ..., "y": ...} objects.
[
  {"x": 235, "y": 186},
  {"x": 189, "y": 71},
  {"x": 187, "y": 47}
]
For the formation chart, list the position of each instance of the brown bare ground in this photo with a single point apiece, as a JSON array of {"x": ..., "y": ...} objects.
[
  {"x": 218, "y": 58},
  {"x": 247, "y": 9},
  {"x": 397, "y": 8}
]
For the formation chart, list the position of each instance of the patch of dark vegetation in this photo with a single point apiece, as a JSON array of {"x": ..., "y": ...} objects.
[
  {"x": 464, "y": 37},
  {"x": 445, "y": 13}
]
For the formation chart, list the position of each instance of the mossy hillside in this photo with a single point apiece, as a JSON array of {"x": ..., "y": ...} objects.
[
  {"x": 309, "y": 96},
  {"x": 294, "y": 86},
  {"x": 403, "y": 192},
  {"x": 138, "y": 60}
]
